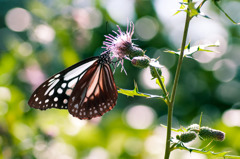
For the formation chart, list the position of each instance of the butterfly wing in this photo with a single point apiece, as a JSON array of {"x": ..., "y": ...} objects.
[
  {"x": 55, "y": 92},
  {"x": 95, "y": 94}
]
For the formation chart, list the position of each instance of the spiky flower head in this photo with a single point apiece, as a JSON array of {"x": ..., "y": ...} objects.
[{"x": 121, "y": 46}]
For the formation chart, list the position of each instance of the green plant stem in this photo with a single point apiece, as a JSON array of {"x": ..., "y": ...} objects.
[
  {"x": 175, "y": 84},
  {"x": 163, "y": 87}
]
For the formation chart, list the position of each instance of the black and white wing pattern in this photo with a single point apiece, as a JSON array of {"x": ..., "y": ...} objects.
[
  {"x": 95, "y": 94},
  {"x": 87, "y": 89},
  {"x": 55, "y": 92}
]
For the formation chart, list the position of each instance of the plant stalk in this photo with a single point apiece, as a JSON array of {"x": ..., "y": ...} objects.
[
  {"x": 175, "y": 84},
  {"x": 167, "y": 100}
]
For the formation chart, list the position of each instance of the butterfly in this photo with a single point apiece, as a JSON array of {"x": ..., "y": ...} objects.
[{"x": 87, "y": 89}]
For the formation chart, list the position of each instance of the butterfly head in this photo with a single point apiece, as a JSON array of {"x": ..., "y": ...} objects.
[{"x": 105, "y": 58}]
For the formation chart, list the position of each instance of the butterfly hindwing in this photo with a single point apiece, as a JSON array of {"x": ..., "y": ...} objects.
[
  {"x": 55, "y": 92},
  {"x": 95, "y": 94}
]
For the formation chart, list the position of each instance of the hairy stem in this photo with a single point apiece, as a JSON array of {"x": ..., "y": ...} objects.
[
  {"x": 163, "y": 87},
  {"x": 175, "y": 84}
]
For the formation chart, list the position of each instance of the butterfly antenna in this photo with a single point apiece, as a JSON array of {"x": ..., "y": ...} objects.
[{"x": 106, "y": 26}]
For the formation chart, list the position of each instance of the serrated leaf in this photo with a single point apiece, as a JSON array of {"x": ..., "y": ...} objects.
[
  {"x": 135, "y": 92},
  {"x": 205, "y": 152},
  {"x": 158, "y": 83},
  {"x": 181, "y": 129},
  {"x": 188, "y": 51}
]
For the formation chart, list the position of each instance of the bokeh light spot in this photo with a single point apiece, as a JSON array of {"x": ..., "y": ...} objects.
[
  {"x": 148, "y": 83},
  {"x": 133, "y": 146},
  {"x": 75, "y": 126},
  {"x": 98, "y": 152},
  {"x": 115, "y": 7},
  {"x": 140, "y": 117},
  {"x": 54, "y": 149},
  {"x": 18, "y": 19},
  {"x": 228, "y": 92},
  {"x": 5, "y": 94},
  {"x": 231, "y": 117},
  {"x": 43, "y": 34},
  {"x": 3, "y": 108},
  {"x": 87, "y": 18},
  {"x": 25, "y": 49},
  {"x": 22, "y": 131},
  {"x": 146, "y": 28},
  {"x": 153, "y": 145},
  {"x": 225, "y": 70}
]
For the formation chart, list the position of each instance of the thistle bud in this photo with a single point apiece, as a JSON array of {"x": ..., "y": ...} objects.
[
  {"x": 208, "y": 133},
  {"x": 141, "y": 61},
  {"x": 135, "y": 51},
  {"x": 193, "y": 127},
  {"x": 153, "y": 73},
  {"x": 187, "y": 136}
]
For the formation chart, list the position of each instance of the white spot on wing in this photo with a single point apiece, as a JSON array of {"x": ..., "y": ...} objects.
[
  {"x": 36, "y": 99},
  {"x": 69, "y": 92},
  {"x": 72, "y": 83},
  {"x": 64, "y": 85},
  {"x": 55, "y": 99},
  {"x": 51, "y": 92},
  {"x": 53, "y": 84},
  {"x": 77, "y": 71},
  {"x": 59, "y": 91},
  {"x": 76, "y": 106},
  {"x": 50, "y": 80},
  {"x": 56, "y": 76},
  {"x": 65, "y": 101}
]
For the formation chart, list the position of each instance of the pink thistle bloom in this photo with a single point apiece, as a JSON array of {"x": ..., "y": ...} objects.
[{"x": 120, "y": 45}]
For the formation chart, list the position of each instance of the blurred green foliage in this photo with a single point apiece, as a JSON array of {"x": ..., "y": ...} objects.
[{"x": 27, "y": 57}]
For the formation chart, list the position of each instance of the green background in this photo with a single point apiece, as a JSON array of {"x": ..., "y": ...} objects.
[{"x": 77, "y": 29}]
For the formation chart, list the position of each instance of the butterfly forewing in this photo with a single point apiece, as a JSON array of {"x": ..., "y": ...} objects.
[
  {"x": 95, "y": 94},
  {"x": 55, "y": 92}
]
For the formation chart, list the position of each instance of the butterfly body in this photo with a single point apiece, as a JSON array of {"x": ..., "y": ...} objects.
[{"x": 87, "y": 89}]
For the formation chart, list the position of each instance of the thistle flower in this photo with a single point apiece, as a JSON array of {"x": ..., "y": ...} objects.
[{"x": 121, "y": 45}]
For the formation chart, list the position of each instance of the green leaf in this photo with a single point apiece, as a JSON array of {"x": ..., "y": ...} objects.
[
  {"x": 200, "y": 120},
  {"x": 181, "y": 129},
  {"x": 216, "y": 4},
  {"x": 188, "y": 51},
  {"x": 182, "y": 8},
  {"x": 181, "y": 146},
  {"x": 192, "y": 9},
  {"x": 135, "y": 92},
  {"x": 157, "y": 81}
]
